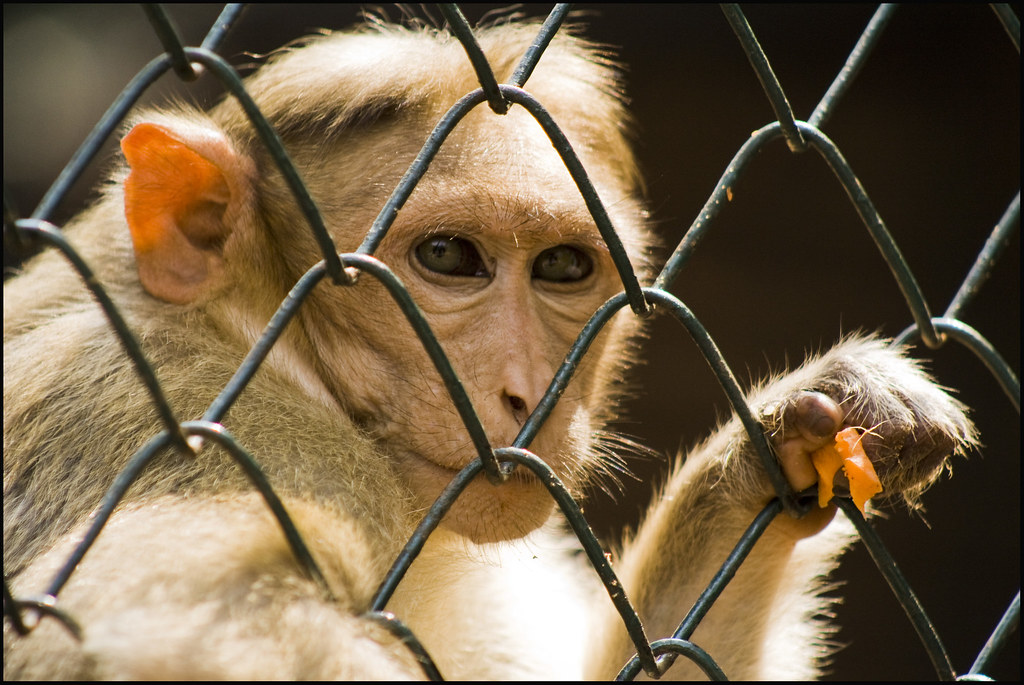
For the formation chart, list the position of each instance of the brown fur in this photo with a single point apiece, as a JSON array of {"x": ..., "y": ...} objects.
[{"x": 192, "y": 579}]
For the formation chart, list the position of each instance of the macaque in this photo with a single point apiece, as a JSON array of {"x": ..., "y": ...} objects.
[{"x": 198, "y": 239}]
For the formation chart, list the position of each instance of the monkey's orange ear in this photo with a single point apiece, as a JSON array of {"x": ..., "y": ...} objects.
[{"x": 175, "y": 200}]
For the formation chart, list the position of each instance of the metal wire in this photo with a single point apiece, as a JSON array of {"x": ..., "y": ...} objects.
[{"x": 653, "y": 657}]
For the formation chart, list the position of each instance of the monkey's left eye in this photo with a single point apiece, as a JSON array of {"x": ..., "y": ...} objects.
[
  {"x": 562, "y": 264},
  {"x": 451, "y": 256}
]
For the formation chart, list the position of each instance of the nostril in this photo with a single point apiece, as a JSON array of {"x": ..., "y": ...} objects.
[{"x": 518, "y": 407}]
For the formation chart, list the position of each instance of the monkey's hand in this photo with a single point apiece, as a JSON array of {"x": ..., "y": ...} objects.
[
  {"x": 909, "y": 425},
  {"x": 910, "y": 428}
]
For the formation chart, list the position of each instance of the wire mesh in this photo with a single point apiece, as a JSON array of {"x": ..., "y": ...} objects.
[{"x": 800, "y": 136}]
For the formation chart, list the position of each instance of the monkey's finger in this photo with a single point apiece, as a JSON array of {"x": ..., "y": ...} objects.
[{"x": 810, "y": 421}]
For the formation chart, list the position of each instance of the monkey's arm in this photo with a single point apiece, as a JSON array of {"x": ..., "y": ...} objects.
[
  {"x": 913, "y": 426},
  {"x": 217, "y": 595}
]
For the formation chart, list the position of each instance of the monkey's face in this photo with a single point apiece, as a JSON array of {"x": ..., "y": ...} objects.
[
  {"x": 497, "y": 248},
  {"x": 495, "y": 245}
]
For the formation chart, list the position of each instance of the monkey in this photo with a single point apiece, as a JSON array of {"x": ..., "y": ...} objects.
[{"x": 198, "y": 239}]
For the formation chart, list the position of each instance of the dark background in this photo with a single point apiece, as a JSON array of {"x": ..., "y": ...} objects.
[{"x": 932, "y": 129}]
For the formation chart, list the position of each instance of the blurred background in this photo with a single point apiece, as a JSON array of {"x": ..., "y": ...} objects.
[{"x": 932, "y": 129}]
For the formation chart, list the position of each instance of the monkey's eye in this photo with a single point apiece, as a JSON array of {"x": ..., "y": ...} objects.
[
  {"x": 562, "y": 264},
  {"x": 452, "y": 256}
]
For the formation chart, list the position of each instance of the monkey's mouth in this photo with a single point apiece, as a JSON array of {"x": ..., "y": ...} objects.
[
  {"x": 428, "y": 478},
  {"x": 480, "y": 510},
  {"x": 523, "y": 475},
  {"x": 518, "y": 474}
]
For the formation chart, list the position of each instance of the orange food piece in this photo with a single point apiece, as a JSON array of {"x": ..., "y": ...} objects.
[
  {"x": 864, "y": 482},
  {"x": 827, "y": 461},
  {"x": 848, "y": 453}
]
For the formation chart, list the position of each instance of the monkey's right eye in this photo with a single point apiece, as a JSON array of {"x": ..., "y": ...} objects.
[{"x": 451, "y": 256}]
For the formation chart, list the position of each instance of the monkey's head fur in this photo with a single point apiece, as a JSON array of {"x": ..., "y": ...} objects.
[{"x": 495, "y": 245}]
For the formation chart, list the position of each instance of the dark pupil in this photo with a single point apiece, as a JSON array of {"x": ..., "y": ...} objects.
[
  {"x": 561, "y": 264},
  {"x": 451, "y": 256}
]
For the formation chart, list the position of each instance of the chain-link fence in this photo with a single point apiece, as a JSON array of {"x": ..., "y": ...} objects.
[{"x": 930, "y": 126}]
